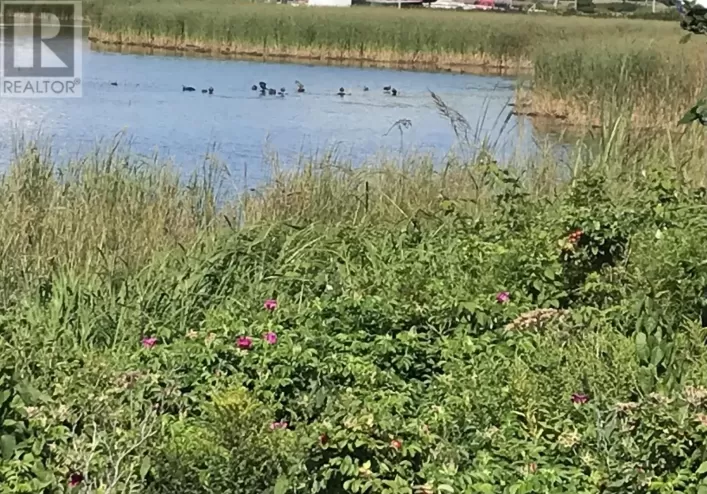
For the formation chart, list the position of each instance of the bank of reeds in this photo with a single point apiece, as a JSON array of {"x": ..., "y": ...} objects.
[
  {"x": 105, "y": 213},
  {"x": 109, "y": 214},
  {"x": 654, "y": 84},
  {"x": 440, "y": 39}
]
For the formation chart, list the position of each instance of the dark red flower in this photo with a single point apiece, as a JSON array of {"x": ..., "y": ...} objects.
[
  {"x": 323, "y": 439},
  {"x": 244, "y": 342},
  {"x": 579, "y": 398},
  {"x": 75, "y": 479}
]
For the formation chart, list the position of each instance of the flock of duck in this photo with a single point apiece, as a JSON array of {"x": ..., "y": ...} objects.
[{"x": 264, "y": 89}]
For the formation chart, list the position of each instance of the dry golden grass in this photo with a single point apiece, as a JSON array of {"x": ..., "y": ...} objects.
[{"x": 579, "y": 112}]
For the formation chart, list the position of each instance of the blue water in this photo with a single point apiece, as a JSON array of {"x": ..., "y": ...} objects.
[{"x": 153, "y": 114}]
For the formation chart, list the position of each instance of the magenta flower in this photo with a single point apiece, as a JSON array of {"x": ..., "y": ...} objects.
[
  {"x": 149, "y": 342},
  {"x": 270, "y": 304},
  {"x": 503, "y": 297},
  {"x": 244, "y": 342},
  {"x": 270, "y": 337},
  {"x": 579, "y": 398},
  {"x": 75, "y": 479},
  {"x": 278, "y": 425}
]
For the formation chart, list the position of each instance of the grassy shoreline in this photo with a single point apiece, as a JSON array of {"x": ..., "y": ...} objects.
[
  {"x": 411, "y": 328},
  {"x": 437, "y": 62}
]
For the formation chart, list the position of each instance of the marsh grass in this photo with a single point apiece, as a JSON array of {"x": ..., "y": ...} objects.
[
  {"x": 363, "y": 33},
  {"x": 653, "y": 84},
  {"x": 388, "y": 193},
  {"x": 104, "y": 213},
  {"x": 110, "y": 213}
]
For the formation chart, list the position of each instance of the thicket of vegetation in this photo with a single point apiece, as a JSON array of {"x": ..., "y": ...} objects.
[{"x": 416, "y": 328}]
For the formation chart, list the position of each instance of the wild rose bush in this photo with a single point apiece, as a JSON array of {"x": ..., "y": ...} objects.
[{"x": 546, "y": 346}]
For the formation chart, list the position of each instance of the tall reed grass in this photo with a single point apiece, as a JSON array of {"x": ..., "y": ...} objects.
[
  {"x": 655, "y": 84},
  {"x": 387, "y": 35},
  {"x": 105, "y": 213},
  {"x": 110, "y": 214}
]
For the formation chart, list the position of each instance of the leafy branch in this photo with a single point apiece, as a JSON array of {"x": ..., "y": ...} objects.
[{"x": 694, "y": 20}]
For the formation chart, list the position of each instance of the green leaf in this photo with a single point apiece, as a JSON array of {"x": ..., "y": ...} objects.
[
  {"x": 445, "y": 488},
  {"x": 144, "y": 467},
  {"x": 646, "y": 380},
  {"x": 642, "y": 347},
  {"x": 657, "y": 355},
  {"x": 281, "y": 485},
  {"x": 685, "y": 38},
  {"x": 7, "y": 446},
  {"x": 702, "y": 469},
  {"x": 688, "y": 117},
  {"x": 549, "y": 273}
]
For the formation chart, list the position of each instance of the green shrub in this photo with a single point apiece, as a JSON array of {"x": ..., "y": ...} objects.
[
  {"x": 27, "y": 446},
  {"x": 496, "y": 331}
]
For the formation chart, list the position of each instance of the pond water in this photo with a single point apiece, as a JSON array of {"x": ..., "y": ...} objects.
[{"x": 155, "y": 115}]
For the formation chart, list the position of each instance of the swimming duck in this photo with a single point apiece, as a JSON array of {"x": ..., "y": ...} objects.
[
  {"x": 365, "y": 88},
  {"x": 188, "y": 88},
  {"x": 262, "y": 85},
  {"x": 272, "y": 92},
  {"x": 203, "y": 91},
  {"x": 394, "y": 92},
  {"x": 254, "y": 87},
  {"x": 300, "y": 87},
  {"x": 386, "y": 88},
  {"x": 341, "y": 92},
  {"x": 211, "y": 90},
  {"x": 113, "y": 83}
]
